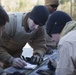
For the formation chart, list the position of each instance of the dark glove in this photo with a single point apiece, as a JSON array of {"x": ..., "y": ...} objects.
[
  {"x": 50, "y": 66},
  {"x": 44, "y": 72},
  {"x": 36, "y": 59},
  {"x": 49, "y": 50}
]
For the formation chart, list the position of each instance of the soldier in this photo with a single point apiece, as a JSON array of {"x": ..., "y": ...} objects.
[
  {"x": 52, "y": 6},
  {"x": 23, "y": 28},
  {"x": 4, "y": 18},
  {"x": 57, "y": 27},
  {"x": 67, "y": 50}
]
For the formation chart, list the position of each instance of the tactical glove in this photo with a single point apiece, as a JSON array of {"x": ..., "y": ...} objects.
[
  {"x": 50, "y": 66},
  {"x": 36, "y": 59},
  {"x": 44, "y": 72}
]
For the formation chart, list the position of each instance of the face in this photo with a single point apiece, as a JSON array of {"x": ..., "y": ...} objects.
[
  {"x": 55, "y": 37},
  {"x": 52, "y": 8},
  {"x": 31, "y": 24}
]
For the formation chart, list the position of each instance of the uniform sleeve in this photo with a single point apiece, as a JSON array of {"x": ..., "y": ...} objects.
[
  {"x": 38, "y": 42},
  {"x": 7, "y": 33},
  {"x": 65, "y": 64}
]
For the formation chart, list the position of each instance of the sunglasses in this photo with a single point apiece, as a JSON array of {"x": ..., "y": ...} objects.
[
  {"x": 54, "y": 6},
  {"x": 37, "y": 23}
]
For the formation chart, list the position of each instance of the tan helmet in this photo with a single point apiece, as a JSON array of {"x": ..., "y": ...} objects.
[{"x": 49, "y": 2}]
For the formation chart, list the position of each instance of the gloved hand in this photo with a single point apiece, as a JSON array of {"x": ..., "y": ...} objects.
[
  {"x": 50, "y": 66},
  {"x": 44, "y": 72},
  {"x": 18, "y": 63},
  {"x": 36, "y": 59}
]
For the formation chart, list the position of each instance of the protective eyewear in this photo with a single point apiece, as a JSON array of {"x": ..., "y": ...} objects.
[
  {"x": 54, "y": 6},
  {"x": 38, "y": 23}
]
